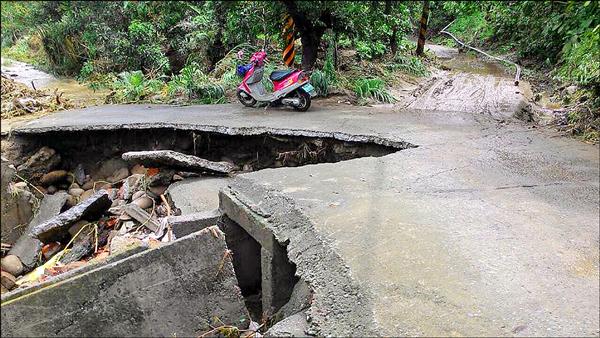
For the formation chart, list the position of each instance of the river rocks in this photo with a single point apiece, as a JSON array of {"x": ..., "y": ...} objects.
[
  {"x": 16, "y": 204},
  {"x": 51, "y": 189},
  {"x": 79, "y": 174},
  {"x": 86, "y": 194},
  {"x": 143, "y": 202},
  {"x": 109, "y": 168},
  {"x": 7, "y": 280},
  {"x": 131, "y": 186},
  {"x": 88, "y": 185},
  {"x": 71, "y": 201},
  {"x": 118, "y": 175},
  {"x": 12, "y": 264},
  {"x": 139, "y": 169},
  {"x": 138, "y": 194},
  {"x": 169, "y": 158},
  {"x": 76, "y": 192},
  {"x": 158, "y": 190},
  {"x": 53, "y": 177},
  {"x": 43, "y": 161},
  {"x": 91, "y": 208}
]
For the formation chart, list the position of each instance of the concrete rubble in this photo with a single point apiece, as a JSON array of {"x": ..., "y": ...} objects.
[
  {"x": 91, "y": 208},
  {"x": 178, "y": 160},
  {"x": 28, "y": 248},
  {"x": 142, "y": 295}
]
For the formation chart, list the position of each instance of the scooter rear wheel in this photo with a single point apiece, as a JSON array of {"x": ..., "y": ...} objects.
[
  {"x": 304, "y": 100},
  {"x": 245, "y": 99}
]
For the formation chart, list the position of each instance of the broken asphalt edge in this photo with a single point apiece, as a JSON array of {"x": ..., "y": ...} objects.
[
  {"x": 243, "y": 131},
  {"x": 340, "y": 307}
]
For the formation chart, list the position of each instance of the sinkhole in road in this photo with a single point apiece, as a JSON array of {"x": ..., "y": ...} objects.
[
  {"x": 265, "y": 275},
  {"x": 248, "y": 152}
]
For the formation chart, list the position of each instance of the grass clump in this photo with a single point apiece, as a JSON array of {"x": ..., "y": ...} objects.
[{"x": 372, "y": 89}]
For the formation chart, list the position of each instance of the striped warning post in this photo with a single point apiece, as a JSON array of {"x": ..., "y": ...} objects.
[
  {"x": 288, "y": 34},
  {"x": 423, "y": 28}
]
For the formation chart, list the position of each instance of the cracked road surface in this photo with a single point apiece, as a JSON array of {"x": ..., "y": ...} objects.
[{"x": 486, "y": 228}]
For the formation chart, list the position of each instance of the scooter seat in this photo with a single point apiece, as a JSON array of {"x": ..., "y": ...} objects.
[{"x": 278, "y": 75}]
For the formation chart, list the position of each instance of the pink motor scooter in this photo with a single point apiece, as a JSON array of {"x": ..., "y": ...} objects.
[{"x": 290, "y": 87}]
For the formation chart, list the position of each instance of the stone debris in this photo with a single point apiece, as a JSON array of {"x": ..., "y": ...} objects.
[
  {"x": 137, "y": 213},
  {"x": 158, "y": 158},
  {"x": 12, "y": 264},
  {"x": 43, "y": 161},
  {"x": 91, "y": 208},
  {"x": 28, "y": 248}
]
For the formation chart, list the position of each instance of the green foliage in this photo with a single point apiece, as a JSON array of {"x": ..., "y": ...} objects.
[
  {"x": 369, "y": 50},
  {"x": 134, "y": 87},
  {"x": 320, "y": 81},
  {"x": 582, "y": 59},
  {"x": 196, "y": 85},
  {"x": 17, "y": 20},
  {"x": 374, "y": 89},
  {"x": 548, "y": 34},
  {"x": 409, "y": 64}
]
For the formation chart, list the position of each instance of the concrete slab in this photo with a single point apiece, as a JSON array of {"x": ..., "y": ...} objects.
[
  {"x": 196, "y": 195},
  {"x": 489, "y": 227},
  {"x": 173, "y": 290}
]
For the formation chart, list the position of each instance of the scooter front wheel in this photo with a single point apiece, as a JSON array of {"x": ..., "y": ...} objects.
[
  {"x": 304, "y": 98},
  {"x": 245, "y": 98}
]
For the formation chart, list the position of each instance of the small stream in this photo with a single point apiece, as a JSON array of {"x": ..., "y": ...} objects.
[{"x": 27, "y": 74}]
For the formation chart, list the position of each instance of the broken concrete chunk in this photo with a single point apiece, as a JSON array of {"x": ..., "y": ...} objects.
[
  {"x": 175, "y": 289},
  {"x": 43, "y": 161},
  {"x": 142, "y": 216},
  {"x": 171, "y": 158},
  {"x": 293, "y": 326},
  {"x": 187, "y": 224},
  {"x": 300, "y": 300},
  {"x": 27, "y": 247},
  {"x": 91, "y": 208},
  {"x": 123, "y": 243}
]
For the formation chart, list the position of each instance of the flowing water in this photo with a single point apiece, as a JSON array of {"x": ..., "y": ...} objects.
[{"x": 27, "y": 74}]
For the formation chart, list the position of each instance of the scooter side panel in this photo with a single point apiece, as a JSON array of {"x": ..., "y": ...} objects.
[{"x": 293, "y": 78}]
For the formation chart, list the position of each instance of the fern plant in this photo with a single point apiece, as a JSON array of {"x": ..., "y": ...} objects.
[{"x": 374, "y": 89}]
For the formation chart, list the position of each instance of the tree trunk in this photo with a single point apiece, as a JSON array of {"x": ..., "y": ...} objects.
[
  {"x": 217, "y": 51},
  {"x": 423, "y": 28},
  {"x": 394, "y": 38},
  {"x": 309, "y": 35}
]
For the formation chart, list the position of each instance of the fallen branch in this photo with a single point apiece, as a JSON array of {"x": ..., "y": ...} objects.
[{"x": 517, "y": 67}]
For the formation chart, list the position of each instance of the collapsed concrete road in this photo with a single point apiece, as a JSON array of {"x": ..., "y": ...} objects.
[
  {"x": 486, "y": 227},
  {"x": 174, "y": 290}
]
